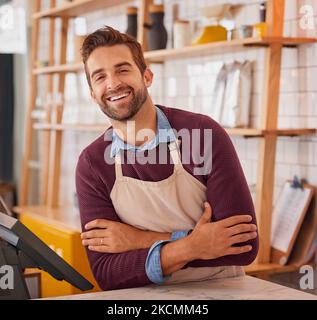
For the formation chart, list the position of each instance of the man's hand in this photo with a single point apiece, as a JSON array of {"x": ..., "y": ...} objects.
[
  {"x": 115, "y": 237},
  {"x": 209, "y": 240}
]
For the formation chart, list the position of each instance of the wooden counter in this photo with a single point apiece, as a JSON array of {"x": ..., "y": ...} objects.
[{"x": 239, "y": 288}]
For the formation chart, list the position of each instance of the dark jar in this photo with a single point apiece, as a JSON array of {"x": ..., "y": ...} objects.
[
  {"x": 132, "y": 20},
  {"x": 157, "y": 34}
]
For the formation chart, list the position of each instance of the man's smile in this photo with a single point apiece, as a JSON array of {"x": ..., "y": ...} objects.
[{"x": 119, "y": 96}]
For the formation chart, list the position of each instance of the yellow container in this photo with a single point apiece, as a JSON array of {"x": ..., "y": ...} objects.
[
  {"x": 67, "y": 243},
  {"x": 259, "y": 30},
  {"x": 212, "y": 34}
]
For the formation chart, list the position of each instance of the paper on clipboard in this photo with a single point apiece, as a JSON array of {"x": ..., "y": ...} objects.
[{"x": 287, "y": 215}]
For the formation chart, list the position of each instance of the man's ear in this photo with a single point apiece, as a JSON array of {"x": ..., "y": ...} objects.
[
  {"x": 148, "y": 77},
  {"x": 93, "y": 96}
]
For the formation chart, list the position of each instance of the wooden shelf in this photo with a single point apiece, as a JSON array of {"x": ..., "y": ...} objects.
[
  {"x": 159, "y": 56},
  {"x": 250, "y": 132},
  {"x": 78, "y": 8},
  {"x": 245, "y": 132},
  {"x": 71, "y": 127},
  {"x": 267, "y": 268},
  {"x": 71, "y": 67},
  {"x": 292, "y": 132}
]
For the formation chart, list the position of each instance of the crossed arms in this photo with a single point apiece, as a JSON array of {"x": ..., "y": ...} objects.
[{"x": 208, "y": 240}]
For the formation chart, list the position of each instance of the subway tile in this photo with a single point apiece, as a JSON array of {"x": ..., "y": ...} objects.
[
  {"x": 312, "y": 175},
  {"x": 252, "y": 149},
  {"x": 312, "y": 103},
  {"x": 206, "y": 106},
  {"x": 289, "y": 58},
  {"x": 280, "y": 150},
  {"x": 182, "y": 86},
  {"x": 171, "y": 87},
  {"x": 208, "y": 84},
  {"x": 282, "y": 173},
  {"x": 305, "y": 156},
  {"x": 212, "y": 67},
  {"x": 312, "y": 79},
  {"x": 291, "y": 149},
  {"x": 291, "y": 10},
  {"x": 312, "y": 122},
  {"x": 287, "y": 29}
]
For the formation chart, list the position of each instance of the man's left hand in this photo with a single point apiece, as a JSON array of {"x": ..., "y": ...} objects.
[{"x": 114, "y": 237}]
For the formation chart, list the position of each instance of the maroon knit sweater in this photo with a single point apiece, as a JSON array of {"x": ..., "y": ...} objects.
[{"x": 227, "y": 192}]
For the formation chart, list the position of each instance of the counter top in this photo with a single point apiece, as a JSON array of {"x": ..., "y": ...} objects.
[{"x": 239, "y": 288}]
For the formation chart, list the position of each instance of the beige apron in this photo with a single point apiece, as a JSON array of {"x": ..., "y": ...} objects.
[{"x": 172, "y": 204}]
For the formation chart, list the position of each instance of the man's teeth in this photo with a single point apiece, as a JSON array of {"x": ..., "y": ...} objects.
[{"x": 119, "y": 97}]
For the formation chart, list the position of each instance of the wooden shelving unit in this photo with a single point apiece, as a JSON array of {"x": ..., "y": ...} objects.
[
  {"x": 77, "y": 8},
  {"x": 267, "y": 134},
  {"x": 244, "y": 132}
]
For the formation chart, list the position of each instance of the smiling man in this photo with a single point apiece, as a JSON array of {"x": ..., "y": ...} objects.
[{"x": 160, "y": 221}]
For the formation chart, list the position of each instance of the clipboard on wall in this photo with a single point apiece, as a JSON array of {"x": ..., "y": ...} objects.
[
  {"x": 288, "y": 216},
  {"x": 305, "y": 247}
]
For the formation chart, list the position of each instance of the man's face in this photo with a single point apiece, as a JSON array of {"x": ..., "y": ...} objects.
[{"x": 117, "y": 84}]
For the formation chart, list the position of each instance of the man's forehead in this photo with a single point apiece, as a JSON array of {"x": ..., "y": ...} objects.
[{"x": 109, "y": 57}]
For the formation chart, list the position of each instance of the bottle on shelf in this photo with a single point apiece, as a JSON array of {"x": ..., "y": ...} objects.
[
  {"x": 157, "y": 34},
  {"x": 132, "y": 21},
  {"x": 259, "y": 29}
]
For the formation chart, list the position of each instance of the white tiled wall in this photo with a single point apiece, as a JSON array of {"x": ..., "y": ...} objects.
[{"x": 188, "y": 83}]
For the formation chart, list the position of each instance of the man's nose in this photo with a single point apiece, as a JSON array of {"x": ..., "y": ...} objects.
[{"x": 113, "y": 82}]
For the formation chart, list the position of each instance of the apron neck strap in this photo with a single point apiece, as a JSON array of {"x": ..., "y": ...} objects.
[
  {"x": 118, "y": 167},
  {"x": 175, "y": 154}
]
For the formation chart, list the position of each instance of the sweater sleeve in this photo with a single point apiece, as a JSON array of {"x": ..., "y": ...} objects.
[
  {"x": 227, "y": 192},
  {"x": 111, "y": 271}
]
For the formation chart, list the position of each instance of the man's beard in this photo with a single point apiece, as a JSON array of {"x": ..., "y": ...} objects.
[{"x": 133, "y": 106}]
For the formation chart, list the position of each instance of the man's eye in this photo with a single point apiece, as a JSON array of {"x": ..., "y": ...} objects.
[
  {"x": 99, "y": 78},
  {"x": 123, "y": 70}
]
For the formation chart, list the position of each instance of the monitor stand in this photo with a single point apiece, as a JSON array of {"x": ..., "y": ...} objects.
[{"x": 13, "y": 257}]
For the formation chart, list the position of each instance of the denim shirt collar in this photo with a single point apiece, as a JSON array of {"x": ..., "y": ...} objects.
[{"x": 164, "y": 134}]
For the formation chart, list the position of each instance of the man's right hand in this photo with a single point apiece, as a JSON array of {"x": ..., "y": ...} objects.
[{"x": 211, "y": 240}]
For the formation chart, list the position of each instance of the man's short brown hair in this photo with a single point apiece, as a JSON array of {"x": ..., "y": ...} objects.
[{"x": 107, "y": 37}]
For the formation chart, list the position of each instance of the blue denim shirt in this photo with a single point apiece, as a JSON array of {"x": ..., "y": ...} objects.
[{"x": 164, "y": 134}]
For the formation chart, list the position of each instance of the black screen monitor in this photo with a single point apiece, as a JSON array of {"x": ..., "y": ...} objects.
[{"x": 20, "y": 248}]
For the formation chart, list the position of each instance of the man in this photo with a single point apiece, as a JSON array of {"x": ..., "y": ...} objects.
[{"x": 147, "y": 221}]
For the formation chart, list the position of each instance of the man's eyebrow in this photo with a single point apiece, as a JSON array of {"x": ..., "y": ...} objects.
[
  {"x": 125, "y": 63},
  {"x": 118, "y": 65},
  {"x": 97, "y": 71}
]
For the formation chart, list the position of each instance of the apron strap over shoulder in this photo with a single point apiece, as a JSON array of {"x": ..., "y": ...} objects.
[
  {"x": 117, "y": 164},
  {"x": 175, "y": 154}
]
